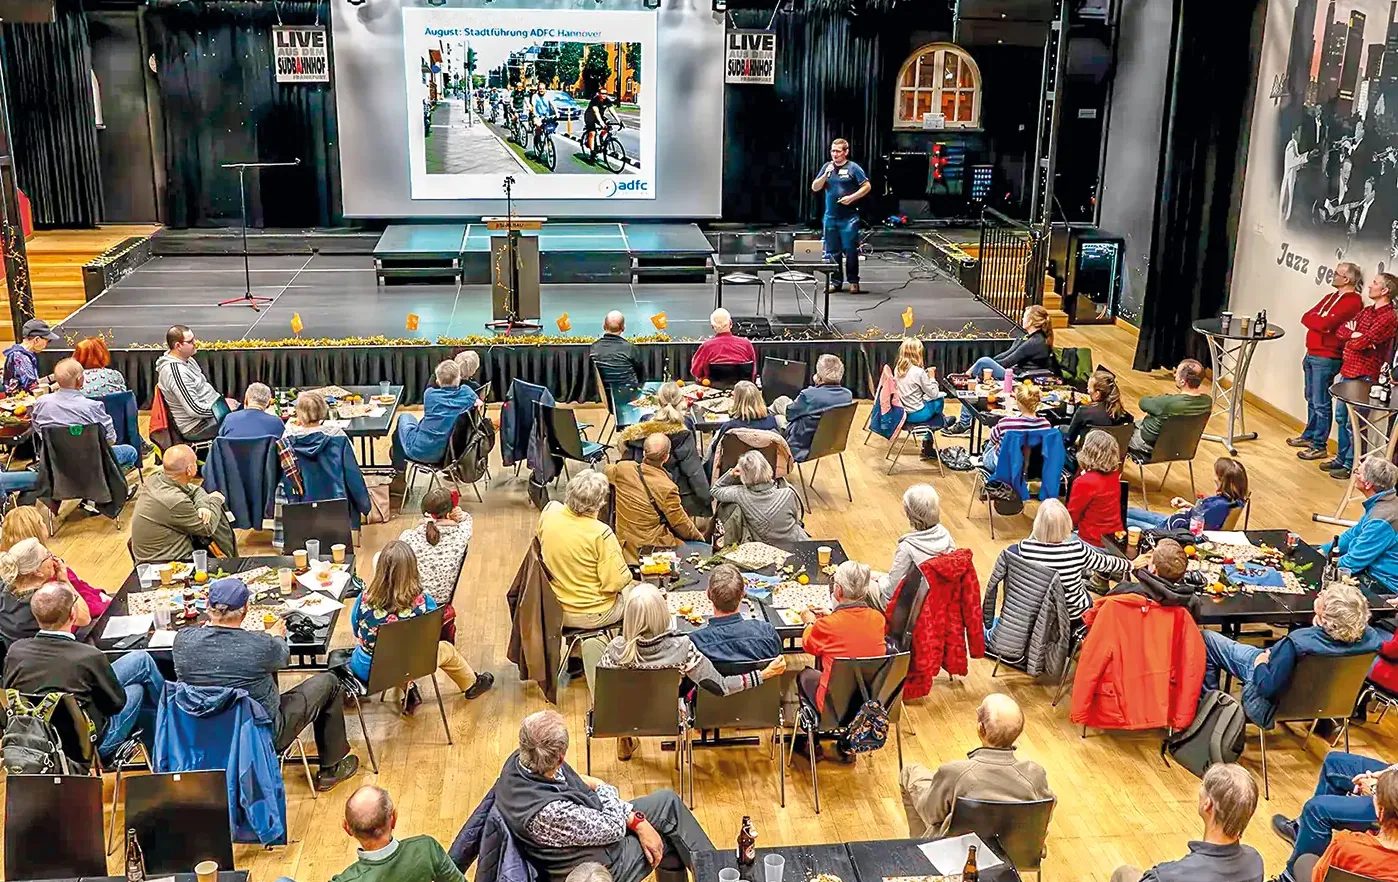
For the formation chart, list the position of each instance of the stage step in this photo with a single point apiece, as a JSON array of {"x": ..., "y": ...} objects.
[
  {"x": 658, "y": 269},
  {"x": 56, "y": 259}
]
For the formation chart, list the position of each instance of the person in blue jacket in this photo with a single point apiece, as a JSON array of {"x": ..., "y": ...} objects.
[
  {"x": 1341, "y": 628},
  {"x": 1371, "y": 545},
  {"x": 803, "y": 414},
  {"x": 252, "y": 420},
  {"x": 426, "y": 440},
  {"x": 1230, "y": 492}
]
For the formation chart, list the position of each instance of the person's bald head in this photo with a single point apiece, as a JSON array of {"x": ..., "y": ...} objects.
[
  {"x": 180, "y": 462},
  {"x": 656, "y": 448},
  {"x": 999, "y": 721},
  {"x": 370, "y": 816},
  {"x": 614, "y": 323},
  {"x": 52, "y": 606},
  {"x": 720, "y": 320},
  {"x": 68, "y": 374}
]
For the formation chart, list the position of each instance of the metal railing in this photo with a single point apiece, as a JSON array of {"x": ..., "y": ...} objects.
[{"x": 1013, "y": 260}]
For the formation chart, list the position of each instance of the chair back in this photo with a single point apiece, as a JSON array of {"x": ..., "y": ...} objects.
[
  {"x": 70, "y": 722},
  {"x": 121, "y": 407},
  {"x": 757, "y": 708},
  {"x": 180, "y": 819},
  {"x": 170, "y": 435},
  {"x": 726, "y": 376},
  {"x": 565, "y": 438},
  {"x": 1179, "y": 439},
  {"x": 731, "y": 448},
  {"x": 1021, "y": 827},
  {"x": 782, "y": 377},
  {"x": 635, "y": 701},
  {"x": 53, "y": 827},
  {"x": 832, "y": 431},
  {"x": 405, "y": 650},
  {"x": 612, "y": 376},
  {"x": 1335, "y": 874},
  {"x": 903, "y": 615},
  {"x": 883, "y": 676},
  {"x": 1122, "y": 434},
  {"x": 1235, "y": 513},
  {"x": 1324, "y": 687},
  {"x": 327, "y": 520},
  {"x": 520, "y": 399},
  {"x": 71, "y": 475}
]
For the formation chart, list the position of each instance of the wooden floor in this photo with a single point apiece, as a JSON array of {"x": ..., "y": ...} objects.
[
  {"x": 1117, "y": 801},
  {"x": 56, "y": 259}
]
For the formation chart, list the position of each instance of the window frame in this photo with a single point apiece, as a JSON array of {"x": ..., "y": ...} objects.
[{"x": 939, "y": 51}]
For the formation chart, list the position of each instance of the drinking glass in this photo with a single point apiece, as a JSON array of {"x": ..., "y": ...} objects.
[
  {"x": 727, "y": 875},
  {"x": 313, "y": 549},
  {"x": 201, "y": 561},
  {"x": 384, "y": 387},
  {"x": 162, "y": 616},
  {"x": 773, "y": 865}
]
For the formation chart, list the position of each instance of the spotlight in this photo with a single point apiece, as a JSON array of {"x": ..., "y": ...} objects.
[
  {"x": 651, "y": 4},
  {"x": 355, "y": 2},
  {"x": 720, "y": 5}
]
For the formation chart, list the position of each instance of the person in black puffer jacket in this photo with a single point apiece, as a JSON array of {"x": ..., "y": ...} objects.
[{"x": 1032, "y": 352}]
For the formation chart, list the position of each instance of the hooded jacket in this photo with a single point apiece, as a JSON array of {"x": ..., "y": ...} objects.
[
  {"x": 1011, "y": 465},
  {"x": 188, "y": 395},
  {"x": 912, "y": 550},
  {"x": 165, "y": 524},
  {"x": 1162, "y": 591},
  {"x": 328, "y": 471},
  {"x": 950, "y": 622},
  {"x": 215, "y": 727},
  {"x": 685, "y": 465}
]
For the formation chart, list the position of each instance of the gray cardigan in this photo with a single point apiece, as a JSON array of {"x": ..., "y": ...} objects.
[
  {"x": 670, "y": 650},
  {"x": 771, "y": 511}
]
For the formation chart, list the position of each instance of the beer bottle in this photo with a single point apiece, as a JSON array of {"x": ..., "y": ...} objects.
[
  {"x": 135, "y": 860},
  {"x": 970, "y": 873},
  {"x": 747, "y": 843}
]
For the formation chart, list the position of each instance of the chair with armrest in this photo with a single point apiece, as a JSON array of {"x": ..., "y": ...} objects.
[
  {"x": 638, "y": 702},
  {"x": 1020, "y": 827},
  {"x": 1178, "y": 442}
]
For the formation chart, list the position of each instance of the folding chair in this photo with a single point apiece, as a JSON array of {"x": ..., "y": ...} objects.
[
  {"x": 782, "y": 377},
  {"x": 638, "y": 702},
  {"x": 565, "y": 436},
  {"x": 180, "y": 819},
  {"x": 1178, "y": 442},
  {"x": 830, "y": 439},
  {"x": 327, "y": 521}
]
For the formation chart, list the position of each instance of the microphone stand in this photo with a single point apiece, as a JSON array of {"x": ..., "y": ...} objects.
[
  {"x": 512, "y": 317},
  {"x": 248, "y": 298}
]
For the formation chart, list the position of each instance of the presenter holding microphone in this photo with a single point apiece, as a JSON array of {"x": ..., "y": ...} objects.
[{"x": 844, "y": 183}]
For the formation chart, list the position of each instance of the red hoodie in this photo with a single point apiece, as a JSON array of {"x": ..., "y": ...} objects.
[{"x": 1324, "y": 337}]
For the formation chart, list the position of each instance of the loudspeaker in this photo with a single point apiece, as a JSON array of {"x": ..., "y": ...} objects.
[
  {"x": 1002, "y": 22},
  {"x": 26, "y": 11}
]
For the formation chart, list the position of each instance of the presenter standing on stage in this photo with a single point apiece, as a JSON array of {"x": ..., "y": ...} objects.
[{"x": 844, "y": 183}]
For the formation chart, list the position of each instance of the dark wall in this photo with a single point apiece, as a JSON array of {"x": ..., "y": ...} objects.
[{"x": 127, "y": 160}]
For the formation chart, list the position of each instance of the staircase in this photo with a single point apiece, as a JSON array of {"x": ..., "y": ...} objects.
[
  {"x": 1053, "y": 301},
  {"x": 56, "y": 259}
]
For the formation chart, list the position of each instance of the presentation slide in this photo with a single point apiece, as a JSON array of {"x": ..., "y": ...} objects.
[{"x": 562, "y": 100}]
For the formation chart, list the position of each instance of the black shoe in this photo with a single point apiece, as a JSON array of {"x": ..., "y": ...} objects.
[
  {"x": 484, "y": 681},
  {"x": 347, "y": 768},
  {"x": 411, "y": 699},
  {"x": 1284, "y": 827},
  {"x": 1340, "y": 474},
  {"x": 957, "y": 428},
  {"x": 1331, "y": 464}
]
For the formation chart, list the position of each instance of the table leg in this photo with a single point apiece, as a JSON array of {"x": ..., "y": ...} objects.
[{"x": 718, "y": 290}]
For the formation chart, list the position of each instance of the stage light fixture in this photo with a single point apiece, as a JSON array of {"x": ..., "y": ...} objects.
[
  {"x": 355, "y": 2},
  {"x": 720, "y": 5}
]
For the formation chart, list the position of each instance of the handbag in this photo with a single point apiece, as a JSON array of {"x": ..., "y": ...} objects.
[{"x": 378, "y": 499}]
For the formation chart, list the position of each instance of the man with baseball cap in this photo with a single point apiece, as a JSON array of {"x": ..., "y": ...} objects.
[
  {"x": 22, "y": 359},
  {"x": 224, "y": 654}
]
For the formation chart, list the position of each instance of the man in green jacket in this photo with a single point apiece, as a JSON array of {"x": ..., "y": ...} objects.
[
  {"x": 370, "y": 818},
  {"x": 173, "y": 515},
  {"x": 1189, "y": 401}
]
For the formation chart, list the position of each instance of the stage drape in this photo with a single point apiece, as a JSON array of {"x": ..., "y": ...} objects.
[
  {"x": 1208, "y": 109},
  {"x": 563, "y": 369},
  {"x": 53, "y": 120},
  {"x": 222, "y": 104}
]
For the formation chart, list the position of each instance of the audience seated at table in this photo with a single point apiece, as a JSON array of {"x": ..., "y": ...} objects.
[
  {"x": 26, "y": 568},
  {"x": 1052, "y": 544},
  {"x": 749, "y": 411},
  {"x": 174, "y": 515},
  {"x": 470, "y": 364},
  {"x": 193, "y": 403},
  {"x": 224, "y": 654},
  {"x": 22, "y": 358},
  {"x": 1104, "y": 410},
  {"x": 1189, "y": 401},
  {"x": 1031, "y": 352},
  {"x": 722, "y": 348},
  {"x": 990, "y": 772},
  {"x": 617, "y": 359},
  {"x": 803, "y": 414},
  {"x": 371, "y": 818},
  {"x": 1027, "y": 419},
  {"x": 1227, "y": 800},
  {"x": 67, "y": 406},
  {"x": 583, "y": 555},
  {"x": 918, "y": 393},
  {"x": 1341, "y": 628},
  {"x": 1094, "y": 501},
  {"x": 729, "y": 638},
  {"x": 118, "y": 697},
  {"x": 440, "y": 544},
  {"x": 1371, "y": 855},
  {"x": 312, "y": 411},
  {"x": 1371, "y": 545},
  {"x": 755, "y": 507},
  {"x": 425, "y": 440},
  {"x": 928, "y": 539},
  {"x": 253, "y": 420},
  {"x": 1344, "y": 800},
  {"x": 394, "y": 594},
  {"x": 25, "y": 522},
  {"x": 649, "y": 510},
  {"x": 561, "y": 818},
  {"x": 1230, "y": 492},
  {"x": 99, "y": 378},
  {"x": 852, "y": 629},
  {"x": 318, "y": 462},
  {"x": 1159, "y": 576},
  {"x": 685, "y": 464}
]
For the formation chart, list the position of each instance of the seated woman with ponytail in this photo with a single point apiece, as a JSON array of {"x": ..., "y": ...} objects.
[
  {"x": 440, "y": 543},
  {"x": 25, "y": 569}
]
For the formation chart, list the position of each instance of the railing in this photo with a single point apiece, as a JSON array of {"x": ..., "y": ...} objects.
[{"x": 1013, "y": 260}]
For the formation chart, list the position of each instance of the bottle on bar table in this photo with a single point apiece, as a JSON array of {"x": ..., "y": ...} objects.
[{"x": 135, "y": 860}]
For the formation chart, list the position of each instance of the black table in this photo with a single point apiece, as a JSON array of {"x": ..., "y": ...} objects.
[
  {"x": 985, "y": 417},
  {"x": 223, "y": 876},
  {"x": 887, "y": 858},
  {"x": 803, "y": 862},
  {"x": 1231, "y": 353},
  {"x": 1373, "y": 427},
  {"x": 756, "y": 264},
  {"x": 366, "y": 429}
]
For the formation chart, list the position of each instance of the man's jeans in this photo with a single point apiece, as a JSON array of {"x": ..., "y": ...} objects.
[
  {"x": 1320, "y": 375},
  {"x": 126, "y": 456},
  {"x": 1344, "y": 451},
  {"x": 1224, "y": 654},
  {"x": 977, "y": 370},
  {"x": 842, "y": 241},
  {"x": 142, "y": 680},
  {"x": 1332, "y": 807}
]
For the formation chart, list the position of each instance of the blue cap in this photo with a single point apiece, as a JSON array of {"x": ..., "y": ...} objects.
[{"x": 230, "y": 592}]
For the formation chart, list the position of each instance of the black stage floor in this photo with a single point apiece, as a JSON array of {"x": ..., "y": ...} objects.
[{"x": 337, "y": 295}]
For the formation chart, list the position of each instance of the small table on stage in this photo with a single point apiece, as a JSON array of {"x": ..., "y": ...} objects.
[
  {"x": 756, "y": 264},
  {"x": 366, "y": 429},
  {"x": 1231, "y": 354},
  {"x": 1372, "y": 425}
]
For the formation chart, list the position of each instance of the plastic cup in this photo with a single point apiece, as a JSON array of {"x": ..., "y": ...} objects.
[
  {"x": 728, "y": 875},
  {"x": 313, "y": 549},
  {"x": 337, "y": 552},
  {"x": 1133, "y": 537},
  {"x": 823, "y": 555},
  {"x": 773, "y": 865},
  {"x": 162, "y": 616},
  {"x": 206, "y": 871},
  {"x": 384, "y": 386},
  {"x": 299, "y": 556},
  {"x": 286, "y": 578},
  {"x": 201, "y": 561},
  {"x": 167, "y": 574}
]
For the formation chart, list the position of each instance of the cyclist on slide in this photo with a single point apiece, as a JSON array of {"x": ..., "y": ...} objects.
[
  {"x": 596, "y": 119},
  {"x": 541, "y": 110},
  {"x": 517, "y": 100}
]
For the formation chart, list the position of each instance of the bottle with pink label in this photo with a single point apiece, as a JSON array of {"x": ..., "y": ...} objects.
[{"x": 1009, "y": 384}]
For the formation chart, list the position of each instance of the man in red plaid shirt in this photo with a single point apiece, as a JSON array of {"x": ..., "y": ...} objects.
[{"x": 1370, "y": 344}]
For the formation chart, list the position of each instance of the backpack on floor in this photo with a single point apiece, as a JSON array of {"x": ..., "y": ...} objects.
[
  {"x": 31, "y": 745},
  {"x": 1215, "y": 736}
]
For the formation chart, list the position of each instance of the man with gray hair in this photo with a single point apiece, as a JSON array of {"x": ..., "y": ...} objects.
[
  {"x": 253, "y": 420},
  {"x": 1371, "y": 545},
  {"x": 991, "y": 771},
  {"x": 370, "y": 818},
  {"x": 426, "y": 440},
  {"x": 616, "y": 358},
  {"x": 1227, "y": 800},
  {"x": 722, "y": 348},
  {"x": 803, "y": 414},
  {"x": 649, "y": 511},
  {"x": 1325, "y": 348},
  {"x": 583, "y": 555},
  {"x": 562, "y": 819}
]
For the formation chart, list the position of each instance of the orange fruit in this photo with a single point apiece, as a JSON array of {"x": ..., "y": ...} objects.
[
  {"x": 803, "y": 579},
  {"x": 705, "y": 381},
  {"x": 679, "y": 382},
  {"x": 201, "y": 578},
  {"x": 20, "y": 410}
]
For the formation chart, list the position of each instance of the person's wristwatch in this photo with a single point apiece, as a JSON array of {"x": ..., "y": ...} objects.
[{"x": 636, "y": 820}]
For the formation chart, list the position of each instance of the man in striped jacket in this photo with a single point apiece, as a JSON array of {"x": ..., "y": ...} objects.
[{"x": 194, "y": 404}]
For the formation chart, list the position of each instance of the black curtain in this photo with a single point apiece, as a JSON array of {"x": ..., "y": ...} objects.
[
  {"x": 831, "y": 80},
  {"x": 53, "y": 121},
  {"x": 222, "y": 104},
  {"x": 1203, "y": 156}
]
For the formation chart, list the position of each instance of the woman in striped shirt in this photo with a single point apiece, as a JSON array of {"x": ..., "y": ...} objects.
[
  {"x": 1052, "y": 544},
  {"x": 1027, "y": 397}
]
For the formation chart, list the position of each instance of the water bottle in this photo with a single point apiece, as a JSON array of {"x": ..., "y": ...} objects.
[{"x": 1008, "y": 387}]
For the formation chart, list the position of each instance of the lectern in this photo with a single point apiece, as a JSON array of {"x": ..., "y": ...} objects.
[{"x": 523, "y": 282}]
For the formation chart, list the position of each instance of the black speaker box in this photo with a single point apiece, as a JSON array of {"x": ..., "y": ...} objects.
[
  {"x": 753, "y": 327},
  {"x": 995, "y": 32}
]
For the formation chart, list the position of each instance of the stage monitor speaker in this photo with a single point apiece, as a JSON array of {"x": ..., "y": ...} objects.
[
  {"x": 753, "y": 327},
  {"x": 994, "y": 32},
  {"x": 27, "y": 11}
]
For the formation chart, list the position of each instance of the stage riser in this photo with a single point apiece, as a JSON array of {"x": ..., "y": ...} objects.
[{"x": 169, "y": 243}]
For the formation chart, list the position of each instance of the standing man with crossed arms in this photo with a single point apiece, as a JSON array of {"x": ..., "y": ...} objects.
[{"x": 844, "y": 183}]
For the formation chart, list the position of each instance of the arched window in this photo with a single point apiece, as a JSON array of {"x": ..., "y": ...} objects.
[{"x": 939, "y": 77}]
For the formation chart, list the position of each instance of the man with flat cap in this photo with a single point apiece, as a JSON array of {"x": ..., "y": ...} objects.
[
  {"x": 222, "y": 653},
  {"x": 22, "y": 359}
]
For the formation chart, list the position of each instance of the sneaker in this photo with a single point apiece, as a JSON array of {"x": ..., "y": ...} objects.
[
  {"x": 854, "y": 287},
  {"x": 1311, "y": 453},
  {"x": 957, "y": 428},
  {"x": 327, "y": 778},
  {"x": 626, "y": 747},
  {"x": 484, "y": 681},
  {"x": 1298, "y": 441},
  {"x": 1340, "y": 474},
  {"x": 1284, "y": 827},
  {"x": 834, "y": 287}
]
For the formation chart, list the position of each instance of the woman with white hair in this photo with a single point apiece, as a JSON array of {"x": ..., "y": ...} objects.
[
  {"x": 686, "y": 464},
  {"x": 803, "y": 414},
  {"x": 583, "y": 555},
  {"x": 24, "y": 569},
  {"x": 1052, "y": 544},
  {"x": 770, "y": 510},
  {"x": 647, "y": 642},
  {"x": 469, "y": 363},
  {"x": 426, "y": 440},
  {"x": 311, "y": 413},
  {"x": 928, "y": 539}
]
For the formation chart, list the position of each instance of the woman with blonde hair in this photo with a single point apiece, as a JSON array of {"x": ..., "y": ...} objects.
[
  {"x": 1094, "y": 502},
  {"x": 1052, "y": 544},
  {"x": 1031, "y": 352},
  {"x": 1027, "y": 397},
  {"x": 24, "y": 569},
  {"x": 25, "y": 522},
  {"x": 686, "y": 464},
  {"x": 749, "y": 411},
  {"x": 647, "y": 642},
  {"x": 395, "y": 593}
]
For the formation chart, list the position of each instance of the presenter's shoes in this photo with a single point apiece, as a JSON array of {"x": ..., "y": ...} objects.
[
  {"x": 854, "y": 287},
  {"x": 835, "y": 286},
  {"x": 1284, "y": 827},
  {"x": 1311, "y": 453},
  {"x": 1298, "y": 441}
]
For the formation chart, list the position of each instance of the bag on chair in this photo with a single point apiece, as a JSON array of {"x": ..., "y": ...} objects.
[
  {"x": 868, "y": 731},
  {"x": 1215, "y": 736},
  {"x": 31, "y": 745},
  {"x": 379, "y": 499}
]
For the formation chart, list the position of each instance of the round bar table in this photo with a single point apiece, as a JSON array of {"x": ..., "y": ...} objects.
[
  {"x": 1372, "y": 424},
  {"x": 1231, "y": 354}
]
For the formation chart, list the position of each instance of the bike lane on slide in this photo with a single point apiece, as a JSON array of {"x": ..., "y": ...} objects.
[{"x": 454, "y": 148}]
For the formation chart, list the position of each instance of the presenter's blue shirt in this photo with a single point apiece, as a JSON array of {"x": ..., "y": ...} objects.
[{"x": 841, "y": 182}]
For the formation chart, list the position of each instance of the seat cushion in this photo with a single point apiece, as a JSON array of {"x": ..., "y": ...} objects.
[{"x": 741, "y": 279}]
